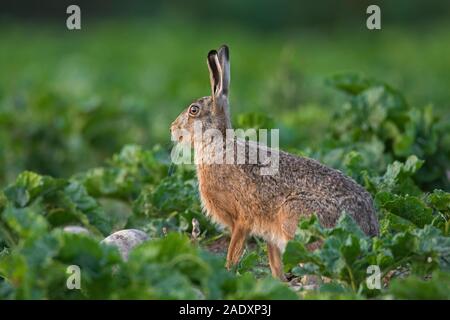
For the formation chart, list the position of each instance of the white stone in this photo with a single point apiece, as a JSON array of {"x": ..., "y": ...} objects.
[
  {"x": 126, "y": 240},
  {"x": 76, "y": 229}
]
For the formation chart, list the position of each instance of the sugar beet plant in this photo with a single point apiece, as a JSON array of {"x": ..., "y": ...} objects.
[
  {"x": 398, "y": 153},
  {"x": 37, "y": 252}
]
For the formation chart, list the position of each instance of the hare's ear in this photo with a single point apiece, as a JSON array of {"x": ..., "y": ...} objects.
[
  {"x": 215, "y": 73},
  {"x": 219, "y": 73},
  {"x": 224, "y": 59}
]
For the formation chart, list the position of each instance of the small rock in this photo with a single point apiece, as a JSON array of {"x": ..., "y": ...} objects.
[
  {"x": 311, "y": 280},
  {"x": 195, "y": 229},
  {"x": 125, "y": 240},
  {"x": 76, "y": 229}
]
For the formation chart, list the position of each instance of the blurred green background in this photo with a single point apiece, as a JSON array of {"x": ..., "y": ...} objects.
[{"x": 70, "y": 99}]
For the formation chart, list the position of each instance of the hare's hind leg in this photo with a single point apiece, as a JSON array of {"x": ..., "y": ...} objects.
[
  {"x": 236, "y": 246},
  {"x": 276, "y": 265}
]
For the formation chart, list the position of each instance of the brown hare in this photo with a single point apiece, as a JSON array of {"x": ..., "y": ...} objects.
[{"x": 237, "y": 196}]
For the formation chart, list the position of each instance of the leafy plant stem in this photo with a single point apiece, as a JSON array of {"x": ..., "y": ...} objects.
[
  {"x": 7, "y": 236},
  {"x": 352, "y": 279}
]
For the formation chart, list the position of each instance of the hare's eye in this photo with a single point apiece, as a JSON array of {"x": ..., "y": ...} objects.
[{"x": 194, "y": 110}]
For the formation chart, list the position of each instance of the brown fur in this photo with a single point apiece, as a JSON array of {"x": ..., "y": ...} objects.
[{"x": 239, "y": 197}]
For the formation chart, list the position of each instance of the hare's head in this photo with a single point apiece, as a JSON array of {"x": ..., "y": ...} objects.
[{"x": 210, "y": 112}]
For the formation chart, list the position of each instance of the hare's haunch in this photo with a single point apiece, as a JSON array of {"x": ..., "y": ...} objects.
[{"x": 238, "y": 196}]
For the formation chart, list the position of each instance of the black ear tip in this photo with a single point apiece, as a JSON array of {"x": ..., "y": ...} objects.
[{"x": 212, "y": 53}]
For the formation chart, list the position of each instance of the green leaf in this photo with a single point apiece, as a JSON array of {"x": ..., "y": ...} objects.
[
  {"x": 268, "y": 288},
  {"x": 25, "y": 222},
  {"x": 248, "y": 262},
  {"x": 440, "y": 201},
  {"x": 294, "y": 254},
  {"x": 414, "y": 288},
  {"x": 351, "y": 83},
  {"x": 29, "y": 186},
  {"x": 351, "y": 249},
  {"x": 407, "y": 207}
]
